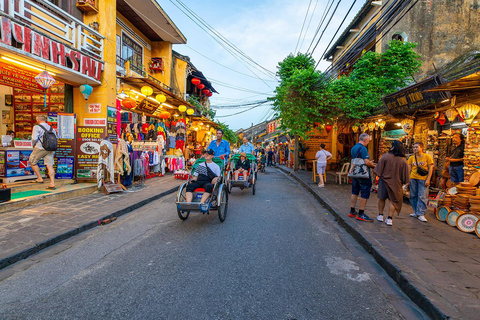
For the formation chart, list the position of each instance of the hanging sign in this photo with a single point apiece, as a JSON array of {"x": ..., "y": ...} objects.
[
  {"x": 95, "y": 108},
  {"x": 88, "y": 141}
]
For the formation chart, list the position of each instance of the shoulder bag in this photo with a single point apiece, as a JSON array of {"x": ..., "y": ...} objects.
[
  {"x": 420, "y": 171},
  {"x": 358, "y": 168}
]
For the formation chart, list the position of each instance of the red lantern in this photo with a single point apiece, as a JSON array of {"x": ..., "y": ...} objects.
[
  {"x": 328, "y": 128},
  {"x": 209, "y": 94},
  {"x": 196, "y": 81},
  {"x": 205, "y": 91},
  {"x": 200, "y": 86},
  {"x": 129, "y": 103},
  {"x": 164, "y": 115}
]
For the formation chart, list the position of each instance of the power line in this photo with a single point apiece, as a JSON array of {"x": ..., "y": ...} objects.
[
  {"x": 303, "y": 24},
  {"x": 324, "y": 15},
  {"x": 308, "y": 26},
  {"x": 326, "y": 26},
  {"x": 236, "y": 113}
]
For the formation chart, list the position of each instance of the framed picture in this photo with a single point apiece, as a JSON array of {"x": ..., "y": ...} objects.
[
  {"x": 6, "y": 118},
  {"x": 9, "y": 100}
]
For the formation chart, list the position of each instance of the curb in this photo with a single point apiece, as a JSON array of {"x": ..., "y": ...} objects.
[
  {"x": 393, "y": 271},
  {"x": 47, "y": 243}
]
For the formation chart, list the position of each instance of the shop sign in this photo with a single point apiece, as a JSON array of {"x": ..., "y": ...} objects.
[
  {"x": 23, "y": 144},
  {"x": 415, "y": 97},
  {"x": 88, "y": 141},
  {"x": 95, "y": 122},
  {"x": 44, "y": 47},
  {"x": 112, "y": 124},
  {"x": 95, "y": 108},
  {"x": 18, "y": 78}
]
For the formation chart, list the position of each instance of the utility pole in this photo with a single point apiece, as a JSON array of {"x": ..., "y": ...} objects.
[{"x": 251, "y": 128}]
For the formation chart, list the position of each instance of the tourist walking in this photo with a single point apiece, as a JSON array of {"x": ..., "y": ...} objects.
[
  {"x": 39, "y": 136},
  {"x": 269, "y": 157},
  {"x": 361, "y": 186},
  {"x": 322, "y": 157},
  {"x": 392, "y": 170},
  {"x": 420, "y": 166}
]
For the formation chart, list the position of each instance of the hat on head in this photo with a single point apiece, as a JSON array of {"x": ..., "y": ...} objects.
[
  {"x": 243, "y": 154},
  {"x": 209, "y": 151}
]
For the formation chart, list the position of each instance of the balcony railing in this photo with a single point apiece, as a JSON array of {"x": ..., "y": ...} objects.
[
  {"x": 141, "y": 72},
  {"x": 48, "y": 18}
]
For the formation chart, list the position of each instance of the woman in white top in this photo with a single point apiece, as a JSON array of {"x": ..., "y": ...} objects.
[{"x": 322, "y": 157}]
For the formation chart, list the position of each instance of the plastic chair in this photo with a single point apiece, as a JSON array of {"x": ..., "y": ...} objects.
[{"x": 342, "y": 174}]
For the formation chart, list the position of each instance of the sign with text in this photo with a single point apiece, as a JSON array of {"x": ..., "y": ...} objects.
[
  {"x": 95, "y": 122},
  {"x": 94, "y": 108},
  {"x": 19, "y": 78},
  {"x": 415, "y": 97},
  {"x": 88, "y": 140},
  {"x": 23, "y": 144},
  {"x": 112, "y": 124}
]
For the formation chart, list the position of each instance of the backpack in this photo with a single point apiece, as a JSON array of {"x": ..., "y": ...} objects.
[{"x": 49, "y": 141}]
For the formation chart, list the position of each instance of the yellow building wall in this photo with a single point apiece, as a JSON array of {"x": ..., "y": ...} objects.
[
  {"x": 163, "y": 49},
  {"x": 180, "y": 76},
  {"x": 105, "y": 94}
]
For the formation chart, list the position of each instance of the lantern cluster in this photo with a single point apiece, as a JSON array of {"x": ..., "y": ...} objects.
[{"x": 200, "y": 86}]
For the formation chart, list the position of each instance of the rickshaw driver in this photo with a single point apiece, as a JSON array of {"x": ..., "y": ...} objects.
[{"x": 202, "y": 179}]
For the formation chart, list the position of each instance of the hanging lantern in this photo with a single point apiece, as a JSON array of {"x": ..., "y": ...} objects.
[
  {"x": 441, "y": 119},
  {"x": 45, "y": 80},
  {"x": 161, "y": 98},
  {"x": 190, "y": 111},
  {"x": 371, "y": 126},
  {"x": 209, "y": 94},
  {"x": 86, "y": 90},
  {"x": 407, "y": 125},
  {"x": 377, "y": 125},
  {"x": 164, "y": 115},
  {"x": 196, "y": 81},
  {"x": 382, "y": 123},
  {"x": 146, "y": 90},
  {"x": 200, "y": 86},
  {"x": 206, "y": 91},
  {"x": 363, "y": 127},
  {"x": 129, "y": 103},
  {"x": 328, "y": 128},
  {"x": 355, "y": 128},
  {"x": 451, "y": 114},
  {"x": 468, "y": 112},
  {"x": 182, "y": 108}
]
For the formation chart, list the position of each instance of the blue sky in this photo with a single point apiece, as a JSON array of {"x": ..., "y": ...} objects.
[{"x": 267, "y": 31}]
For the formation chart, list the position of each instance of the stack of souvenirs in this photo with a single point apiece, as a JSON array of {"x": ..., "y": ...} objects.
[{"x": 472, "y": 149}]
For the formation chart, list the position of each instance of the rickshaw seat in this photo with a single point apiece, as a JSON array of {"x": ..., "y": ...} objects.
[{"x": 199, "y": 190}]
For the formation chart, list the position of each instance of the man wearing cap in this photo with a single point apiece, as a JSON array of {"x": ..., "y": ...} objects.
[
  {"x": 205, "y": 176},
  {"x": 219, "y": 146},
  {"x": 241, "y": 167}
]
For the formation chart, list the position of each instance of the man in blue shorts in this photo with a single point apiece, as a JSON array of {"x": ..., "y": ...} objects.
[{"x": 361, "y": 186}]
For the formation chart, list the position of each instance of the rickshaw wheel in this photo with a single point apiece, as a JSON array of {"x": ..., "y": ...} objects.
[
  {"x": 183, "y": 215},
  {"x": 223, "y": 207}
]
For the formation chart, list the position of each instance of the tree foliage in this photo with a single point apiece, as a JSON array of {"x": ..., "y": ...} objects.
[
  {"x": 304, "y": 98},
  {"x": 195, "y": 101}
]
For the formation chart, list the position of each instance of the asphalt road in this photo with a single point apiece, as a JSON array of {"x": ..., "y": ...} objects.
[{"x": 278, "y": 255}]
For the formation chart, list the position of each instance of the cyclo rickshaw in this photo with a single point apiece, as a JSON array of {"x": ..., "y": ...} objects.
[
  {"x": 251, "y": 175},
  {"x": 218, "y": 199}
]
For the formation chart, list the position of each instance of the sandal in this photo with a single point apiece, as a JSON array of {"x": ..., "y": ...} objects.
[
  {"x": 36, "y": 181},
  {"x": 51, "y": 188}
]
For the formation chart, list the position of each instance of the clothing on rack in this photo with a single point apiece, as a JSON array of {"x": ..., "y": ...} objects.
[{"x": 105, "y": 163}]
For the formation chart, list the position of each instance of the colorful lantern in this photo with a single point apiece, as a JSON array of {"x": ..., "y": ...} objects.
[
  {"x": 46, "y": 81},
  {"x": 190, "y": 111},
  {"x": 371, "y": 126},
  {"x": 407, "y": 125},
  {"x": 206, "y": 91},
  {"x": 164, "y": 115},
  {"x": 129, "y": 103},
  {"x": 328, "y": 128},
  {"x": 146, "y": 90},
  {"x": 355, "y": 128},
  {"x": 161, "y": 98},
  {"x": 196, "y": 81},
  {"x": 182, "y": 108},
  {"x": 451, "y": 114},
  {"x": 209, "y": 94},
  {"x": 86, "y": 91},
  {"x": 441, "y": 119},
  {"x": 382, "y": 123},
  {"x": 363, "y": 127},
  {"x": 200, "y": 86},
  {"x": 468, "y": 112}
]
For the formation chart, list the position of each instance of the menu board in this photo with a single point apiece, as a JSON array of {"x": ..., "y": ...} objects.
[
  {"x": 112, "y": 124},
  {"x": 64, "y": 124},
  {"x": 88, "y": 140}
]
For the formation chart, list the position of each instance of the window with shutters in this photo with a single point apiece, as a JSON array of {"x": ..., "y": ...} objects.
[{"x": 132, "y": 52}]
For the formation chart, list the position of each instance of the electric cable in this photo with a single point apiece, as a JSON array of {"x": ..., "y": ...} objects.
[
  {"x": 319, "y": 27},
  {"x": 236, "y": 113},
  {"x": 308, "y": 26},
  {"x": 303, "y": 25},
  {"x": 326, "y": 26}
]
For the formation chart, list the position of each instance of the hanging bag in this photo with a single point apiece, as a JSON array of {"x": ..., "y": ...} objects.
[
  {"x": 358, "y": 168},
  {"x": 420, "y": 171}
]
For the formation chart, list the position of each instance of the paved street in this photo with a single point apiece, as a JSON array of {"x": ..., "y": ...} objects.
[{"x": 279, "y": 255}]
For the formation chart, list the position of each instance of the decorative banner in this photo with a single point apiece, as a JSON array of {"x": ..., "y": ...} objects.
[
  {"x": 87, "y": 151},
  {"x": 95, "y": 122},
  {"x": 112, "y": 124},
  {"x": 95, "y": 108}
]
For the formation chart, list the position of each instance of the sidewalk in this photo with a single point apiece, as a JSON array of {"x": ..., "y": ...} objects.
[
  {"x": 26, "y": 231},
  {"x": 436, "y": 265}
]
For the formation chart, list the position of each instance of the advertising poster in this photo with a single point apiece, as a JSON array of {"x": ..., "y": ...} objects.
[
  {"x": 2, "y": 164},
  {"x": 112, "y": 124},
  {"x": 87, "y": 151},
  {"x": 18, "y": 164},
  {"x": 65, "y": 168},
  {"x": 64, "y": 124}
]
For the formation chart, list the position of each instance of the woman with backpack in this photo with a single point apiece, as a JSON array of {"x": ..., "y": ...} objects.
[{"x": 44, "y": 141}]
